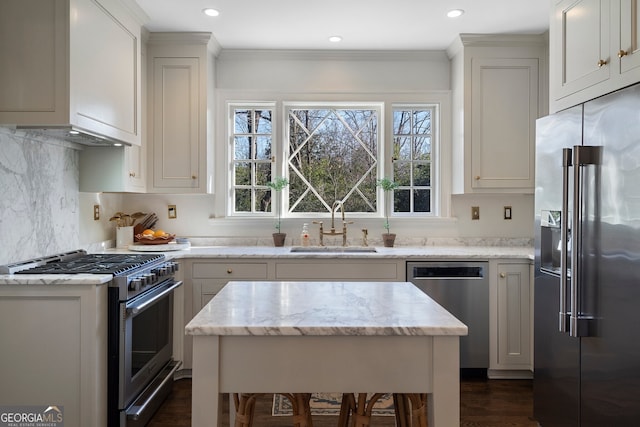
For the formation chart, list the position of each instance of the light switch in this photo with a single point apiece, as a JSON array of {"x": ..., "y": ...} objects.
[
  {"x": 507, "y": 212},
  {"x": 173, "y": 212},
  {"x": 475, "y": 212}
]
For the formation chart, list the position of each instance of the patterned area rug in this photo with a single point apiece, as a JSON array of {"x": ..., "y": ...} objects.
[{"x": 329, "y": 404}]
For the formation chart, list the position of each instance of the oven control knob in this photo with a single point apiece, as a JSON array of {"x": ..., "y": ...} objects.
[
  {"x": 135, "y": 284},
  {"x": 150, "y": 278}
]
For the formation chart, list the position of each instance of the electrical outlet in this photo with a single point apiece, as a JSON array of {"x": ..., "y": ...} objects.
[
  {"x": 507, "y": 212},
  {"x": 96, "y": 212},
  {"x": 475, "y": 212},
  {"x": 172, "y": 212}
]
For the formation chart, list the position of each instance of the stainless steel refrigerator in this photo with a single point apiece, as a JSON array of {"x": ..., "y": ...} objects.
[{"x": 587, "y": 260}]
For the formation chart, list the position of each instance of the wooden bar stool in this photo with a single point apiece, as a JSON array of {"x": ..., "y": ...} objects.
[
  {"x": 245, "y": 404},
  {"x": 410, "y": 409},
  {"x": 301, "y": 408}
]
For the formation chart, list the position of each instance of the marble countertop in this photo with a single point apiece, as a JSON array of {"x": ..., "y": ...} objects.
[
  {"x": 55, "y": 279},
  {"x": 323, "y": 308},
  {"x": 403, "y": 252},
  {"x": 270, "y": 252}
]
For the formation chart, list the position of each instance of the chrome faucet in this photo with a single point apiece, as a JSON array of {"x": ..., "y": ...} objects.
[{"x": 332, "y": 231}]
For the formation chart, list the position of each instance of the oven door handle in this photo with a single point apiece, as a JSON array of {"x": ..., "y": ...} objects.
[{"x": 137, "y": 308}]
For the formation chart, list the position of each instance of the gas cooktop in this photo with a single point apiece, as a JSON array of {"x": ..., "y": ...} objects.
[{"x": 81, "y": 262}]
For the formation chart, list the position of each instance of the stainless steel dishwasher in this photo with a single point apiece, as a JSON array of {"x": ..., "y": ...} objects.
[{"x": 462, "y": 288}]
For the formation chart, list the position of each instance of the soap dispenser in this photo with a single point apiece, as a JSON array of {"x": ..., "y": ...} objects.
[{"x": 304, "y": 235}]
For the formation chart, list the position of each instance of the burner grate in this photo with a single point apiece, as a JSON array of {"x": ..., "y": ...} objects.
[{"x": 115, "y": 264}]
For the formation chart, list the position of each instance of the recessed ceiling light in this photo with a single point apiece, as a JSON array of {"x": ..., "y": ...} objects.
[
  {"x": 335, "y": 39},
  {"x": 210, "y": 12},
  {"x": 455, "y": 13}
]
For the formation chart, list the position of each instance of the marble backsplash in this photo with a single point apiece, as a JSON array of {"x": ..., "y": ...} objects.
[
  {"x": 40, "y": 199},
  {"x": 38, "y": 196}
]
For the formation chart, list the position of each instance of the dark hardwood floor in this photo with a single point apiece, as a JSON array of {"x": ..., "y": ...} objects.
[{"x": 483, "y": 403}]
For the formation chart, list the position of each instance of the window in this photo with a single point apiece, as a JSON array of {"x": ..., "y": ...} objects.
[
  {"x": 252, "y": 159},
  {"x": 332, "y": 153},
  {"x": 412, "y": 159}
]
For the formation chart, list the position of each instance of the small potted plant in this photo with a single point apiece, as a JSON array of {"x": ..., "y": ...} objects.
[
  {"x": 387, "y": 185},
  {"x": 277, "y": 185}
]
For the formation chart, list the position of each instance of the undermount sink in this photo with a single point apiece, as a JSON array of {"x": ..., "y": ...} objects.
[{"x": 333, "y": 249}]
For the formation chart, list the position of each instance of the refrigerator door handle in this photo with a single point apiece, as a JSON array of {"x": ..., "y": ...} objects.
[
  {"x": 563, "y": 319},
  {"x": 582, "y": 156}
]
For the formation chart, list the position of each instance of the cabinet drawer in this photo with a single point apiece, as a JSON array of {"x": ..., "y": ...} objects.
[
  {"x": 229, "y": 270},
  {"x": 338, "y": 271}
]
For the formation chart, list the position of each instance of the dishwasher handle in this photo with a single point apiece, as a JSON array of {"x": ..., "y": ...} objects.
[{"x": 449, "y": 272}]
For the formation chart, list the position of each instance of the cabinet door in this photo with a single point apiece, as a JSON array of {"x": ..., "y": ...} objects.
[
  {"x": 580, "y": 29},
  {"x": 114, "y": 169},
  {"x": 210, "y": 277},
  {"x": 105, "y": 70},
  {"x": 33, "y": 80},
  {"x": 504, "y": 108},
  {"x": 514, "y": 316},
  {"x": 175, "y": 136},
  {"x": 628, "y": 51},
  {"x": 135, "y": 171}
]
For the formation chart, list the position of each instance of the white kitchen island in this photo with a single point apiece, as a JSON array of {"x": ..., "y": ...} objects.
[{"x": 349, "y": 337}]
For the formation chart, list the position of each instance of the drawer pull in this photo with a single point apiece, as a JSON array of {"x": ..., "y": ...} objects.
[
  {"x": 229, "y": 270},
  {"x": 602, "y": 63},
  {"x": 622, "y": 53},
  {"x": 502, "y": 275},
  {"x": 477, "y": 177}
]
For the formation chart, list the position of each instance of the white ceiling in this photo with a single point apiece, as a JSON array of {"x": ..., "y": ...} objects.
[{"x": 363, "y": 24}]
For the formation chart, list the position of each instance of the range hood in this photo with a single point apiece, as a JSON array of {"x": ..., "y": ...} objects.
[{"x": 73, "y": 134}]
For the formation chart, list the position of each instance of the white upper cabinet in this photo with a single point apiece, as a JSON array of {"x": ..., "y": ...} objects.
[
  {"x": 180, "y": 84},
  {"x": 113, "y": 169},
  {"x": 583, "y": 47},
  {"x": 593, "y": 49},
  {"x": 72, "y": 62},
  {"x": 629, "y": 45},
  {"x": 498, "y": 87}
]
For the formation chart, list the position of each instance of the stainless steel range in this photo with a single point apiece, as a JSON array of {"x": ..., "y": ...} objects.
[{"x": 140, "y": 326}]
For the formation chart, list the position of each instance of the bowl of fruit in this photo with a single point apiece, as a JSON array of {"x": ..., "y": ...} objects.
[{"x": 153, "y": 237}]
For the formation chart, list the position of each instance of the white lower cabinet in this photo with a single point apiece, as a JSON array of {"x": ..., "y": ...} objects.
[
  {"x": 511, "y": 322},
  {"x": 361, "y": 270},
  {"x": 204, "y": 279},
  {"x": 54, "y": 341},
  {"x": 209, "y": 278}
]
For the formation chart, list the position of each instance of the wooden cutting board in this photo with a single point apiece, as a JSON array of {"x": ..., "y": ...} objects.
[{"x": 160, "y": 248}]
